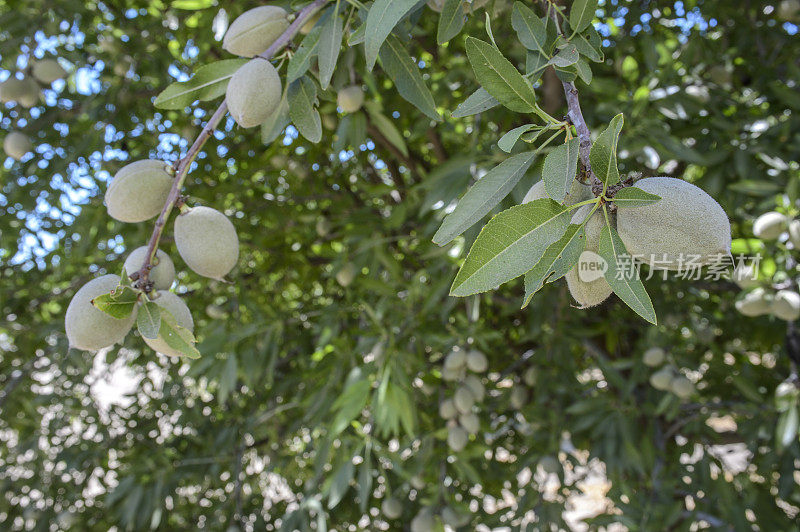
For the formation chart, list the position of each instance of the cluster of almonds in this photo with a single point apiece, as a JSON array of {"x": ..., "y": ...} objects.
[
  {"x": 686, "y": 222},
  {"x": 26, "y": 91},
  {"x": 458, "y": 410},
  {"x": 759, "y": 301},
  {"x": 668, "y": 378},
  {"x": 206, "y": 241},
  {"x": 254, "y": 92}
]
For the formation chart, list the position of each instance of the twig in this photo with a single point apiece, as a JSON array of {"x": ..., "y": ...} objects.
[
  {"x": 576, "y": 117},
  {"x": 184, "y": 164}
]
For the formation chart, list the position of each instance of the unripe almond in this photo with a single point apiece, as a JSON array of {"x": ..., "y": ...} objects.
[
  {"x": 255, "y": 30},
  {"x": 681, "y": 386},
  {"x": 662, "y": 379},
  {"x": 207, "y": 242},
  {"x": 745, "y": 277},
  {"x": 24, "y": 91},
  {"x": 423, "y": 521},
  {"x": 654, "y": 357},
  {"x": 755, "y": 303},
  {"x": 577, "y": 192},
  {"x": 453, "y": 374},
  {"x": 162, "y": 273},
  {"x": 588, "y": 294},
  {"x": 457, "y": 359},
  {"x": 391, "y": 508},
  {"x": 253, "y": 93},
  {"x": 183, "y": 317},
  {"x": 138, "y": 191},
  {"x": 475, "y": 387},
  {"x": 685, "y": 224},
  {"x": 770, "y": 225},
  {"x": 16, "y": 145},
  {"x": 476, "y": 361},
  {"x": 794, "y": 233},
  {"x": 519, "y": 396},
  {"x": 447, "y": 410},
  {"x": 463, "y": 400},
  {"x": 457, "y": 438},
  {"x": 530, "y": 377},
  {"x": 346, "y": 275},
  {"x": 350, "y": 99},
  {"x": 591, "y": 292},
  {"x": 470, "y": 422},
  {"x": 786, "y": 305},
  {"x": 48, "y": 70},
  {"x": 90, "y": 328}
]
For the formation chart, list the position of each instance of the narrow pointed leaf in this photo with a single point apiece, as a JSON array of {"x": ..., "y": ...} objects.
[
  {"x": 483, "y": 196},
  {"x": 565, "y": 57},
  {"x": 510, "y": 245},
  {"x": 276, "y": 123},
  {"x": 148, "y": 320},
  {"x": 531, "y": 30},
  {"x": 406, "y": 75},
  {"x": 450, "y": 21},
  {"x": 557, "y": 260},
  {"x": 603, "y": 156},
  {"x": 386, "y": 127},
  {"x": 499, "y": 77},
  {"x": 383, "y": 16},
  {"x": 623, "y": 276},
  {"x": 302, "y": 99},
  {"x": 560, "y": 168},
  {"x": 301, "y": 60},
  {"x": 581, "y": 14},
  {"x": 177, "y": 337},
  {"x": 629, "y": 197},
  {"x": 330, "y": 42},
  {"x": 118, "y": 304},
  {"x": 509, "y": 140},
  {"x": 477, "y": 102},
  {"x": 209, "y": 82}
]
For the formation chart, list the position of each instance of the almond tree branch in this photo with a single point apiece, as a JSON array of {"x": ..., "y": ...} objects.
[
  {"x": 576, "y": 117},
  {"x": 184, "y": 164}
]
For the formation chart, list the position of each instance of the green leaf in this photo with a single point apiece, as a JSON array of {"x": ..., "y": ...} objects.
[
  {"x": 272, "y": 128},
  {"x": 208, "y": 83},
  {"x": 483, "y": 196},
  {"x": 383, "y": 16},
  {"x": 581, "y": 14},
  {"x": 119, "y": 303},
  {"x": 405, "y": 74},
  {"x": 148, "y": 320},
  {"x": 535, "y": 63},
  {"x": 330, "y": 42},
  {"x": 386, "y": 126},
  {"x": 177, "y": 337},
  {"x": 498, "y": 76},
  {"x": 340, "y": 483},
  {"x": 568, "y": 74},
  {"x": 531, "y": 30},
  {"x": 301, "y": 60},
  {"x": 302, "y": 99},
  {"x": 603, "y": 156},
  {"x": 509, "y": 140},
  {"x": 566, "y": 56},
  {"x": 584, "y": 71},
  {"x": 557, "y": 260},
  {"x": 349, "y": 405},
  {"x": 622, "y": 274},
  {"x": 357, "y": 37},
  {"x": 450, "y": 21},
  {"x": 227, "y": 380},
  {"x": 510, "y": 245},
  {"x": 585, "y": 48},
  {"x": 629, "y": 197},
  {"x": 560, "y": 168},
  {"x": 787, "y": 427},
  {"x": 477, "y": 102}
]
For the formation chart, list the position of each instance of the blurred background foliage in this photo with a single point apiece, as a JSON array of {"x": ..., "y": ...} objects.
[{"x": 313, "y": 401}]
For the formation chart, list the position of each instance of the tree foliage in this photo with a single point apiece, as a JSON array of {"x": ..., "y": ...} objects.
[{"x": 316, "y": 394}]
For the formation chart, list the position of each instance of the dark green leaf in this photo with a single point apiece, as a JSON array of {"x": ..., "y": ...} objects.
[
  {"x": 330, "y": 41},
  {"x": 477, "y": 102},
  {"x": 581, "y": 14},
  {"x": 208, "y": 83},
  {"x": 531, "y": 30},
  {"x": 405, "y": 74},
  {"x": 382, "y": 18},
  {"x": 560, "y": 168},
  {"x": 633, "y": 197},
  {"x": 603, "y": 156},
  {"x": 499, "y": 77},
  {"x": 302, "y": 100},
  {"x": 450, "y": 21},
  {"x": 557, "y": 260}
]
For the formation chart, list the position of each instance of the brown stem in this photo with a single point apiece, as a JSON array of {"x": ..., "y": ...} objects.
[
  {"x": 576, "y": 117},
  {"x": 182, "y": 168}
]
